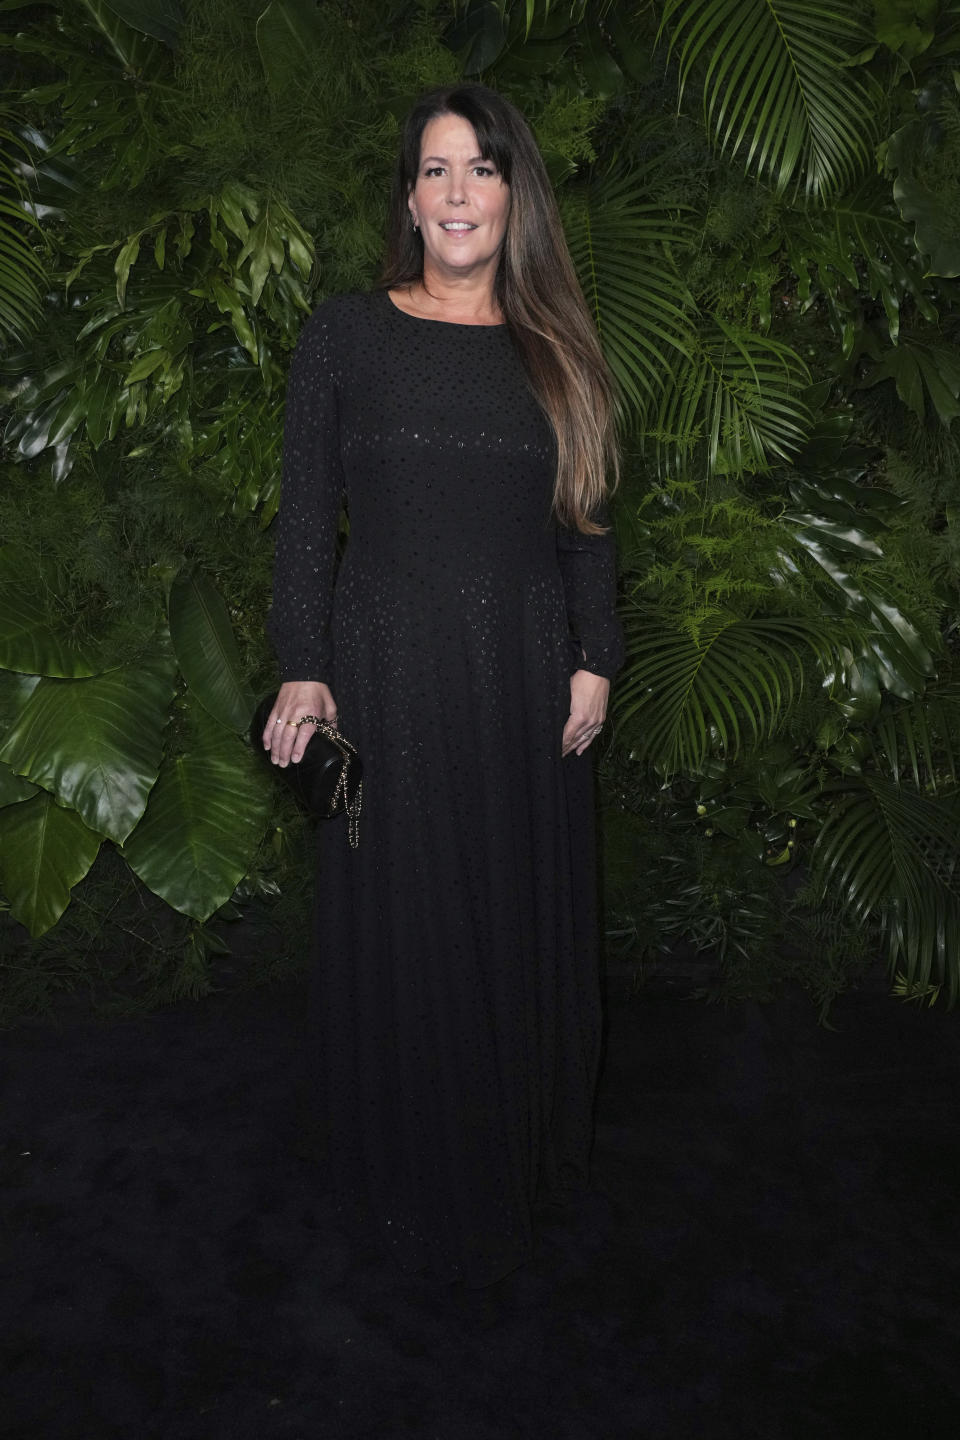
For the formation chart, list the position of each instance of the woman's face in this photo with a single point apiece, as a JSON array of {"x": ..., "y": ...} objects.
[{"x": 459, "y": 201}]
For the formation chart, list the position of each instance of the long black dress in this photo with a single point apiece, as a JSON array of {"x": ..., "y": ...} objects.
[{"x": 457, "y": 1008}]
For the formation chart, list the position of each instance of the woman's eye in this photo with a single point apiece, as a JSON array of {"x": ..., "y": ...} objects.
[{"x": 433, "y": 170}]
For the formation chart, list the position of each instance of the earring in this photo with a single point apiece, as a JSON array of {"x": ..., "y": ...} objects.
[{"x": 416, "y": 227}]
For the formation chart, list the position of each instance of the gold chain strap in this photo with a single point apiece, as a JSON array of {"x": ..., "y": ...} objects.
[{"x": 346, "y": 750}]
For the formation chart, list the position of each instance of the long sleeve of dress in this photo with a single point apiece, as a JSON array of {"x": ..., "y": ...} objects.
[
  {"x": 311, "y": 496},
  {"x": 588, "y": 569}
]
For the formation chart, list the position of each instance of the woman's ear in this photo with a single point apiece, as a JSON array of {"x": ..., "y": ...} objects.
[{"x": 413, "y": 209}]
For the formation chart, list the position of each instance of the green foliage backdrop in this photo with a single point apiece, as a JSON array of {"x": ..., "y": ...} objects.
[{"x": 763, "y": 203}]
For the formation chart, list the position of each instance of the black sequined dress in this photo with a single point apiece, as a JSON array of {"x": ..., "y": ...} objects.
[{"x": 456, "y": 1020}]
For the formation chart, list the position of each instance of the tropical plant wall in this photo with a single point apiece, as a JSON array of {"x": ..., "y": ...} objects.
[{"x": 763, "y": 202}]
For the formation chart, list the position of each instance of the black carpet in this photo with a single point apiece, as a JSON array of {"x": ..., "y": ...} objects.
[{"x": 771, "y": 1249}]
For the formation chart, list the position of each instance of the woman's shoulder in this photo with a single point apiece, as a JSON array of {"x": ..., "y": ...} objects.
[{"x": 340, "y": 317}]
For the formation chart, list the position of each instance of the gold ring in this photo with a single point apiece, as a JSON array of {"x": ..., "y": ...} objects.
[{"x": 293, "y": 724}]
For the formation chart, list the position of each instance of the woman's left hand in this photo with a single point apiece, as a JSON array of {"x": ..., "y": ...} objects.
[{"x": 588, "y": 709}]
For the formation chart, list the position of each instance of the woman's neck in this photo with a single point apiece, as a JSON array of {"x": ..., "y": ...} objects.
[{"x": 437, "y": 298}]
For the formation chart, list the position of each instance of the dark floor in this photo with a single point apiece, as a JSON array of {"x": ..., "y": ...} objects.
[{"x": 772, "y": 1248}]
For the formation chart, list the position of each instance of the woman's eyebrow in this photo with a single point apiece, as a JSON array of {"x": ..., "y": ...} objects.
[{"x": 442, "y": 159}]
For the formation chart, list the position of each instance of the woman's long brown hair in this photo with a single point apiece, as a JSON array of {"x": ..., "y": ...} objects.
[{"x": 536, "y": 289}]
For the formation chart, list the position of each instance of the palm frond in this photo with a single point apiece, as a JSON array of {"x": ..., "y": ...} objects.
[
  {"x": 685, "y": 695},
  {"x": 775, "y": 89},
  {"x": 739, "y": 397},
  {"x": 21, "y": 272},
  {"x": 921, "y": 740},
  {"x": 894, "y": 855},
  {"x": 620, "y": 235}
]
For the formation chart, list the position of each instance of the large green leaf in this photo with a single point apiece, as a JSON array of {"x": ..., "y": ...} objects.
[
  {"x": 207, "y": 652},
  {"x": 601, "y": 73},
  {"x": 525, "y": 12},
  {"x": 936, "y": 232},
  {"x": 15, "y": 691},
  {"x": 888, "y": 649},
  {"x": 160, "y": 18},
  {"x": 840, "y": 524},
  {"x": 620, "y": 235},
  {"x": 776, "y": 89},
  {"x": 203, "y": 822},
  {"x": 33, "y": 642},
  {"x": 291, "y": 37},
  {"x": 96, "y": 744},
  {"x": 683, "y": 696},
  {"x": 907, "y": 26},
  {"x": 478, "y": 35},
  {"x": 909, "y": 155},
  {"x": 44, "y": 851},
  {"x": 129, "y": 26},
  {"x": 13, "y": 788}
]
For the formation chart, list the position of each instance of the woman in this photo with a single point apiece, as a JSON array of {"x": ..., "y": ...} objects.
[{"x": 464, "y": 413}]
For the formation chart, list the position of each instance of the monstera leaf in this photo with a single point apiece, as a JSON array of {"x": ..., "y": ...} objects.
[
  {"x": 859, "y": 245},
  {"x": 935, "y": 233},
  {"x": 776, "y": 90},
  {"x": 920, "y": 371},
  {"x": 44, "y": 852},
  {"x": 930, "y": 206}
]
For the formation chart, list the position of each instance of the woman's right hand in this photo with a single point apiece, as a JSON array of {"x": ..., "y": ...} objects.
[{"x": 283, "y": 736}]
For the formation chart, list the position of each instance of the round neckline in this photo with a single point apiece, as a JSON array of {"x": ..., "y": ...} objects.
[{"x": 450, "y": 324}]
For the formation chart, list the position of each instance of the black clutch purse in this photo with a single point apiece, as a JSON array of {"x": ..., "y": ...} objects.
[{"x": 329, "y": 777}]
